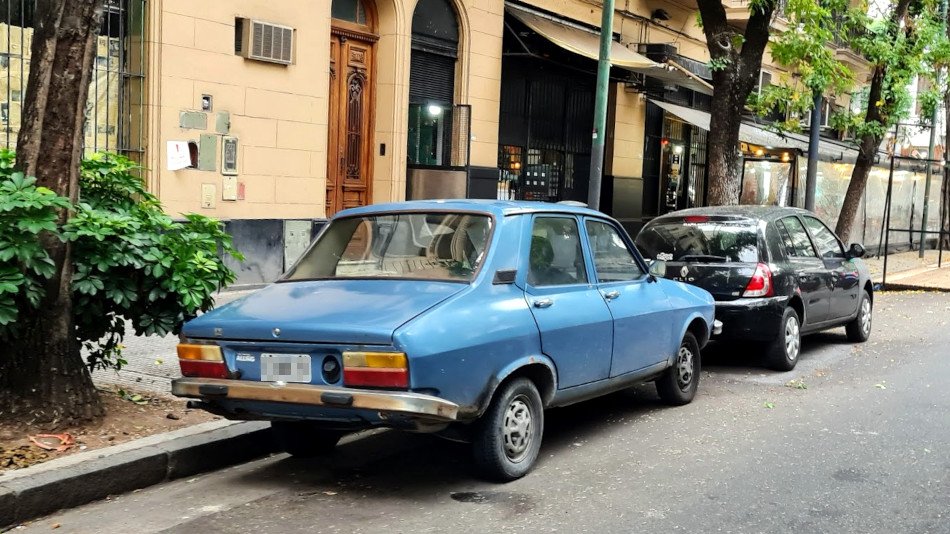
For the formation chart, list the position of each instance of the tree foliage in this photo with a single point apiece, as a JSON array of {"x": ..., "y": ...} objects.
[{"x": 133, "y": 263}]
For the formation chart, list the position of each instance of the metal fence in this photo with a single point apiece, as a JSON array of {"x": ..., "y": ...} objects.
[{"x": 115, "y": 111}]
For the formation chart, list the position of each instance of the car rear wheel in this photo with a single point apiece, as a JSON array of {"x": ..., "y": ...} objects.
[
  {"x": 783, "y": 352},
  {"x": 304, "y": 439},
  {"x": 508, "y": 436},
  {"x": 678, "y": 384},
  {"x": 859, "y": 330}
]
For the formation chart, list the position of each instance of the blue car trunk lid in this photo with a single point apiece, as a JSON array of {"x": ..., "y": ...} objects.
[{"x": 324, "y": 311}]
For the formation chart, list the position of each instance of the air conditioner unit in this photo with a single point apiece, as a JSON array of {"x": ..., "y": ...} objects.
[
  {"x": 659, "y": 52},
  {"x": 264, "y": 41}
]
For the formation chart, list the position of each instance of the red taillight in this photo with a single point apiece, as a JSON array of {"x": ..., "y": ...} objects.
[
  {"x": 761, "y": 283},
  {"x": 203, "y": 369},
  {"x": 202, "y": 360},
  {"x": 376, "y": 369},
  {"x": 696, "y": 218},
  {"x": 380, "y": 378}
]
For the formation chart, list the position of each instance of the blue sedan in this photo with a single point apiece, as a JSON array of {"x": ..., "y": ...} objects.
[{"x": 462, "y": 317}]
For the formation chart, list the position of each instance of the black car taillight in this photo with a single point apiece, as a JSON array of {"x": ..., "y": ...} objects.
[{"x": 761, "y": 283}]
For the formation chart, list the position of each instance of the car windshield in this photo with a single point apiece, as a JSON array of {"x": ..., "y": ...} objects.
[
  {"x": 421, "y": 246},
  {"x": 705, "y": 240}
]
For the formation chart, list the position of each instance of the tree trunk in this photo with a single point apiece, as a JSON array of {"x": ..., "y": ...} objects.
[
  {"x": 859, "y": 180},
  {"x": 880, "y": 108},
  {"x": 724, "y": 159},
  {"x": 739, "y": 59},
  {"x": 43, "y": 370}
]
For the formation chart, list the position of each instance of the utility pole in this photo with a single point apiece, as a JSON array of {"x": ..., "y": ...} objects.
[
  {"x": 930, "y": 153},
  {"x": 811, "y": 173},
  {"x": 600, "y": 106}
]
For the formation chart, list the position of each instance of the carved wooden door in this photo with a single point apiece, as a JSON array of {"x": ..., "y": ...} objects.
[{"x": 349, "y": 157}]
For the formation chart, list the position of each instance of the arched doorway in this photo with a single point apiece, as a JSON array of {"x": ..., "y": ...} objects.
[
  {"x": 349, "y": 156},
  {"x": 432, "y": 73}
]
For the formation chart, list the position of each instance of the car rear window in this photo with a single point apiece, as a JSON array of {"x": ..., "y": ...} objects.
[
  {"x": 418, "y": 246},
  {"x": 707, "y": 240}
]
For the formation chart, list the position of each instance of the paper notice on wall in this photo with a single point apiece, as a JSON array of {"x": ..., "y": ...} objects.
[{"x": 179, "y": 157}]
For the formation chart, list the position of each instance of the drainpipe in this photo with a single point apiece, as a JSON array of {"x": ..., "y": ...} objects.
[{"x": 600, "y": 106}]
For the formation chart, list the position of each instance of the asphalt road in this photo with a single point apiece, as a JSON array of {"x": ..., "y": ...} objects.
[{"x": 864, "y": 447}]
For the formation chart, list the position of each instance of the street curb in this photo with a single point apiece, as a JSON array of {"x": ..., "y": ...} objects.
[
  {"x": 913, "y": 287},
  {"x": 88, "y": 476}
]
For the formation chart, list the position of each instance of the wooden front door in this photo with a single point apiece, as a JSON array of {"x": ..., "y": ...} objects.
[{"x": 349, "y": 154}]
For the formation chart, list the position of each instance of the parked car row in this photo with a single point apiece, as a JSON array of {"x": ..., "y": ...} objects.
[{"x": 470, "y": 318}]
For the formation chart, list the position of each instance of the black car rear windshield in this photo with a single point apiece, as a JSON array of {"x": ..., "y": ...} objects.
[{"x": 700, "y": 239}]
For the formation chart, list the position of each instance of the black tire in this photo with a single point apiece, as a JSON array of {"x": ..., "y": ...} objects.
[
  {"x": 859, "y": 329},
  {"x": 302, "y": 439},
  {"x": 507, "y": 438},
  {"x": 783, "y": 352},
  {"x": 679, "y": 383}
]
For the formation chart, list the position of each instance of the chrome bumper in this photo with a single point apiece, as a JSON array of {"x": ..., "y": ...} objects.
[
  {"x": 717, "y": 327},
  {"x": 414, "y": 405}
]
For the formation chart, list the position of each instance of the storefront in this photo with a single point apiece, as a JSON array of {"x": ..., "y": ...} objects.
[{"x": 549, "y": 72}]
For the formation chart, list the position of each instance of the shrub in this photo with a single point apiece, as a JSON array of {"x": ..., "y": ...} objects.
[{"x": 133, "y": 264}]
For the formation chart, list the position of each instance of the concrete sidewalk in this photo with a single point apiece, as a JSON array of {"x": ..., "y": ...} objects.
[
  {"x": 152, "y": 360},
  {"x": 905, "y": 270}
]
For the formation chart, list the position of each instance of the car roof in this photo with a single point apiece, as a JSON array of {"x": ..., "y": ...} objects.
[
  {"x": 766, "y": 213},
  {"x": 498, "y": 208}
]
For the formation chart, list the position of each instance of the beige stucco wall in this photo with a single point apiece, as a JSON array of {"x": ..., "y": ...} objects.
[{"x": 280, "y": 113}]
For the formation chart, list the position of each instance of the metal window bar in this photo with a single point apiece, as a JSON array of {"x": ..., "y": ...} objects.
[{"x": 116, "y": 106}]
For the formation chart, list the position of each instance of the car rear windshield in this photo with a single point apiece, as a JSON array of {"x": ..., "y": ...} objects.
[
  {"x": 706, "y": 240},
  {"x": 421, "y": 246}
]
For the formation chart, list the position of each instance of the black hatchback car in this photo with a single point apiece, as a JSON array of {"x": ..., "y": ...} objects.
[{"x": 776, "y": 273}]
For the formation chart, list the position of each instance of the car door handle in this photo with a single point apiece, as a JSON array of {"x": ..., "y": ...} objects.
[
  {"x": 611, "y": 295},
  {"x": 543, "y": 303}
]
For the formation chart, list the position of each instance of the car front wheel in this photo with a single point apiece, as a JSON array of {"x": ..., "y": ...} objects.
[
  {"x": 678, "y": 384},
  {"x": 508, "y": 436},
  {"x": 783, "y": 352},
  {"x": 859, "y": 330},
  {"x": 303, "y": 439}
]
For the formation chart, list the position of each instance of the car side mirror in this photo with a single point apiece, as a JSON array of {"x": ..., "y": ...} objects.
[
  {"x": 855, "y": 251},
  {"x": 657, "y": 268}
]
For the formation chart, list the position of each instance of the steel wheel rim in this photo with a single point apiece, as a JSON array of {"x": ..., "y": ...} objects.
[
  {"x": 866, "y": 317},
  {"x": 792, "y": 338},
  {"x": 684, "y": 368},
  {"x": 517, "y": 429}
]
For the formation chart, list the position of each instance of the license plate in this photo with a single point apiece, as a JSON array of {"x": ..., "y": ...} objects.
[{"x": 285, "y": 367}]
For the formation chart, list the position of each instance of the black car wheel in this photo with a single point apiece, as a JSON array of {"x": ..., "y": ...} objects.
[
  {"x": 678, "y": 384},
  {"x": 508, "y": 436},
  {"x": 782, "y": 353},
  {"x": 859, "y": 330},
  {"x": 303, "y": 439}
]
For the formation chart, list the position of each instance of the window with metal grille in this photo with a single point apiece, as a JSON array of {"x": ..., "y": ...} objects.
[{"x": 115, "y": 111}]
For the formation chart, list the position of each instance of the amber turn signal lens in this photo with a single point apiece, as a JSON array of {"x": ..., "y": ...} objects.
[
  {"x": 375, "y": 360},
  {"x": 208, "y": 353}
]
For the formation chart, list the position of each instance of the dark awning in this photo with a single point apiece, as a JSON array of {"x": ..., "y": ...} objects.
[{"x": 756, "y": 135}]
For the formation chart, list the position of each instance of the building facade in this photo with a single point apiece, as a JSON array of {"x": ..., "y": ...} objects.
[{"x": 272, "y": 116}]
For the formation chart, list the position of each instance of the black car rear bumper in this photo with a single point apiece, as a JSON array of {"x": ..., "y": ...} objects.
[{"x": 752, "y": 319}]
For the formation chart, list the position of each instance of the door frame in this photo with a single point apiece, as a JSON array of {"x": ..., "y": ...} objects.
[{"x": 341, "y": 29}]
